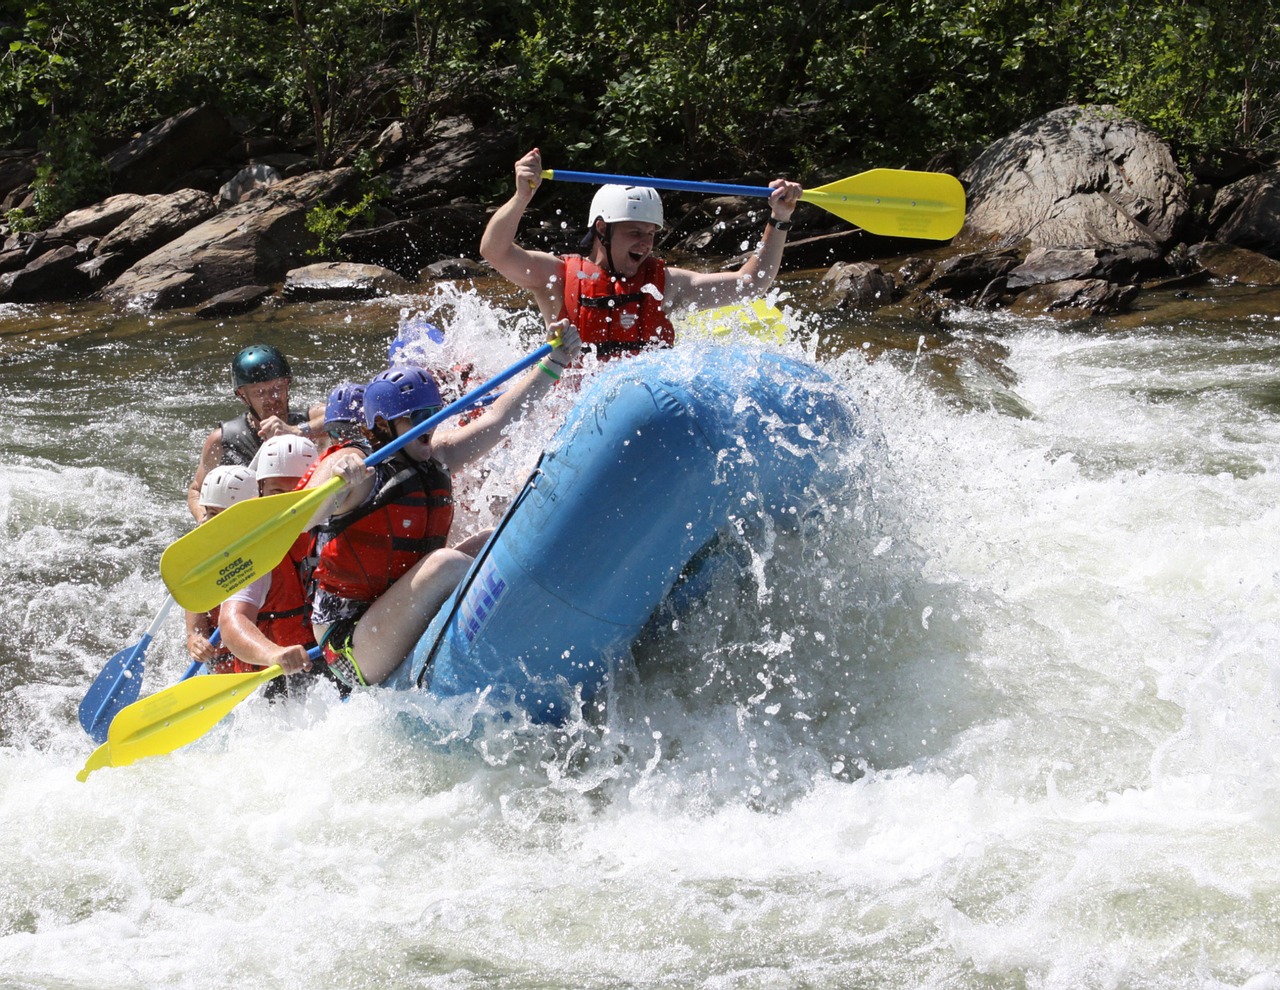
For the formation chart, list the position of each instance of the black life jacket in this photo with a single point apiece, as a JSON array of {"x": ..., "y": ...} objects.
[{"x": 240, "y": 440}]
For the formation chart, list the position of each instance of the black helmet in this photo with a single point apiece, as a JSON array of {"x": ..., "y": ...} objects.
[{"x": 258, "y": 363}]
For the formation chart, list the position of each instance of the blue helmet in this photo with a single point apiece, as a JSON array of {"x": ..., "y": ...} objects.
[
  {"x": 398, "y": 392},
  {"x": 409, "y": 333},
  {"x": 345, "y": 404}
]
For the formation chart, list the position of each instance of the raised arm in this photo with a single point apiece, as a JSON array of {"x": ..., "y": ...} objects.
[
  {"x": 537, "y": 271},
  {"x": 706, "y": 290},
  {"x": 457, "y": 447}
]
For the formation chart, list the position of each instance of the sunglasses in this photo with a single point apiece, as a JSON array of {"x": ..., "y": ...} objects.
[
  {"x": 422, "y": 415},
  {"x": 343, "y": 430}
]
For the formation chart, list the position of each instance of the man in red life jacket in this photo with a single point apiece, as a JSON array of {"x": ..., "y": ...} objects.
[
  {"x": 619, "y": 295},
  {"x": 268, "y": 622}
]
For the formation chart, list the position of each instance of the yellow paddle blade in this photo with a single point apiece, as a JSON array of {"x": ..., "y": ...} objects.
[
  {"x": 896, "y": 202},
  {"x": 757, "y": 317},
  {"x": 101, "y": 757},
  {"x": 181, "y": 713},
  {"x": 238, "y": 546}
]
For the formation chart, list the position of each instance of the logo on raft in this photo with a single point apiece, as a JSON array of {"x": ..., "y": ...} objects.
[{"x": 481, "y": 599}]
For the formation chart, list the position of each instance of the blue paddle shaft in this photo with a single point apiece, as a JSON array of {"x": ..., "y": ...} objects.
[
  {"x": 457, "y": 406},
  {"x": 678, "y": 185}
]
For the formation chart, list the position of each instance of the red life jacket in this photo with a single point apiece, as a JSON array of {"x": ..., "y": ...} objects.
[
  {"x": 328, "y": 452},
  {"x": 360, "y": 554},
  {"x": 284, "y": 617},
  {"x": 615, "y": 314}
]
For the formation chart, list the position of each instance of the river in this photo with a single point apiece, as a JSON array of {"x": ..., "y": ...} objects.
[{"x": 1016, "y": 728}]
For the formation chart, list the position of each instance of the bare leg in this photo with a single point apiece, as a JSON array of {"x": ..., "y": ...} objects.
[
  {"x": 386, "y": 633},
  {"x": 472, "y": 544}
]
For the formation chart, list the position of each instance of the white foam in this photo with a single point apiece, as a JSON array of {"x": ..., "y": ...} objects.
[{"x": 1007, "y": 717}]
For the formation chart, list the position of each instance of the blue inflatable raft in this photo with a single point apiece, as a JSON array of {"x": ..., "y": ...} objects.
[{"x": 659, "y": 455}]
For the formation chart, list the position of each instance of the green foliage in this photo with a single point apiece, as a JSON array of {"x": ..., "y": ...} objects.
[
  {"x": 328, "y": 223},
  {"x": 70, "y": 174},
  {"x": 701, "y": 87},
  {"x": 19, "y": 223},
  {"x": 1204, "y": 76}
]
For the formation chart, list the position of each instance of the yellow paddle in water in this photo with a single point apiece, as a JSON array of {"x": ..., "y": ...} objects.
[
  {"x": 242, "y": 543},
  {"x": 886, "y": 201},
  {"x": 757, "y": 317},
  {"x": 175, "y": 716}
]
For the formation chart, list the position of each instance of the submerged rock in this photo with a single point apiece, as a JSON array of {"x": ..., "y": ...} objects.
[
  {"x": 1075, "y": 298},
  {"x": 857, "y": 285},
  {"x": 234, "y": 302}
]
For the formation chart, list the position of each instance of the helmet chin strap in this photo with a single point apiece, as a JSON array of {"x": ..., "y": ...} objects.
[
  {"x": 254, "y": 418},
  {"x": 606, "y": 241}
]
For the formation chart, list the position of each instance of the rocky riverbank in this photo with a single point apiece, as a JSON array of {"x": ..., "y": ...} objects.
[{"x": 1078, "y": 213}]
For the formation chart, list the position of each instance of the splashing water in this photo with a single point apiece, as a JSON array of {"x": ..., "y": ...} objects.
[{"x": 1003, "y": 715}]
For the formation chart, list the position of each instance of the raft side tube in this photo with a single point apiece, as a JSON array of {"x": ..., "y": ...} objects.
[{"x": 649, "y": 466}]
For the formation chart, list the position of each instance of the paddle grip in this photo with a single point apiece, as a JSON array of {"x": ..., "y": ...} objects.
[{"x": 158, "y": 621}]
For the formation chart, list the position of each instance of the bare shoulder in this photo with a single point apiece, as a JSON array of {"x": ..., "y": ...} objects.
[{"x": 211, "y": 452}]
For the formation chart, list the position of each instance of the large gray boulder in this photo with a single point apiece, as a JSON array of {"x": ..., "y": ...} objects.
[
  {"x": 97, "y": 220},
  {"x": 159, "y": 222},
  {"x": 254, "y": 243},
  {"x": 1077, "y": 177}
]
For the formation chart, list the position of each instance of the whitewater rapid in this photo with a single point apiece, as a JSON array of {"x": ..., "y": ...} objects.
[{"x": 1010, "y": 721}]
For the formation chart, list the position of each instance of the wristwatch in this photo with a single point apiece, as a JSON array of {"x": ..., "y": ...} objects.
[{"x": 780, "y": 224}]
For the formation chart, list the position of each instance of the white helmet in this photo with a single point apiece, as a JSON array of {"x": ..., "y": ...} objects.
[
  {"x": 615, "y": 203},
  {"x": 226, "y": 485},
  {"x": 283, "y": 456}
]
